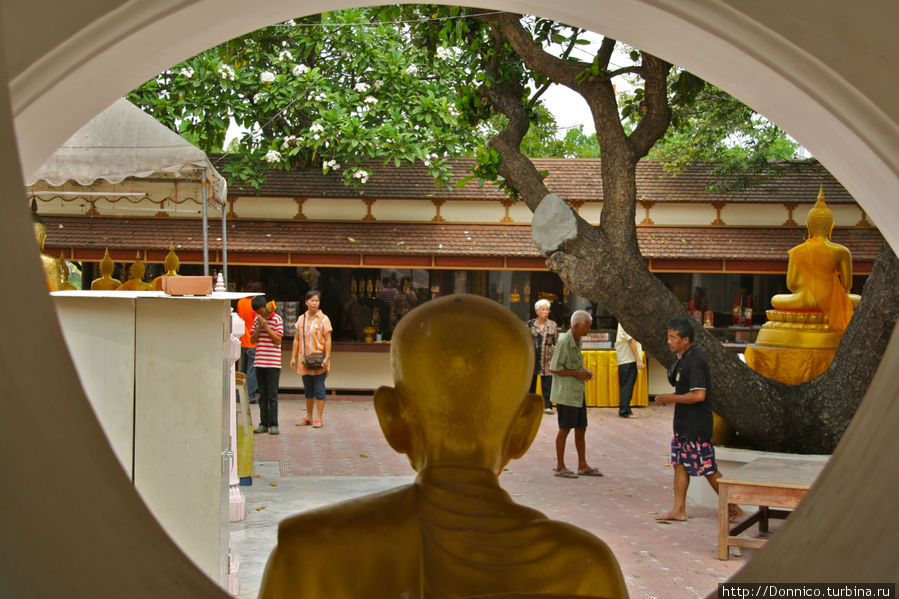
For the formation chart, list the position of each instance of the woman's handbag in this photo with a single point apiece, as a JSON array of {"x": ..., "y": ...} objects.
[{"x": 315, "y": 360}]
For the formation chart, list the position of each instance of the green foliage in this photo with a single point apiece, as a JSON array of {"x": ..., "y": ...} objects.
[
  {"x": 332, "y": 90},
  {"x": 709, "y": 125}
]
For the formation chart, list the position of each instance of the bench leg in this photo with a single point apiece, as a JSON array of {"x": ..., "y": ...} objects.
[{"x": 723, "y": 521}]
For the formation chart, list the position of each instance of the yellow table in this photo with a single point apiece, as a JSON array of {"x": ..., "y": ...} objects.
[{"x": 602, "y": 391}]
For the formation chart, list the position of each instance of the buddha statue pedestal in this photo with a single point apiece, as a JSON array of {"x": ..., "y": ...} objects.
[
  {"x": 794, "y": 346},
  {"x": 806, "y": 329}
]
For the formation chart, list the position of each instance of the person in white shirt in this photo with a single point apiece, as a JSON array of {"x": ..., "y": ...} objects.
[{"x": 629, "y": 354}]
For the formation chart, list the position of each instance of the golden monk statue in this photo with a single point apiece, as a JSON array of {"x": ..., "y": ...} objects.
[
  {"x": 136, "y": 282},
  {"x": 460, "y": 411},
  {"x": 63, "y": 268},
  {"x": 819, "y": 274},
  {"x": 51, "y": 266},
  {"x": 171, "y": 264},
  {"x": 105, "y": 282}
]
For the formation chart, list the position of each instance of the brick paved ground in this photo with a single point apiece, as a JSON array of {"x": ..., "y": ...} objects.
[{"x": 666, "y": 561}]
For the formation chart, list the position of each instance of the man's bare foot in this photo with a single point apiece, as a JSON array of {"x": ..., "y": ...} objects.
[
  {"x": 734, "y": 512},
  {"x": 672, "y": 517}
]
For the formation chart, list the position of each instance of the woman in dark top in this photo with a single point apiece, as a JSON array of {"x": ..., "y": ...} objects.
[{"x": 545, "y": 332}]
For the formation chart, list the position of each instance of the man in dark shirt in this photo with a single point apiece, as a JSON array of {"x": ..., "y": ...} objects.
[{"x": 692, "y": 452}]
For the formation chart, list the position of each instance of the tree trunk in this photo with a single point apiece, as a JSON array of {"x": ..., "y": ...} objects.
[{"x": 604, "y": 264}]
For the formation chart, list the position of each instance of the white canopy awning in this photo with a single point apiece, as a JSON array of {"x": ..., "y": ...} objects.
[{"x": 121, "y": 142}]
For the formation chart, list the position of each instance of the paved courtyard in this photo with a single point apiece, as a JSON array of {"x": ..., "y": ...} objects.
[{"x": 304, "y": 467}]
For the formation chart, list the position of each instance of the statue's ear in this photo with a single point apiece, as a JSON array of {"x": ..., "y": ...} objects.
[
  {"x": 390, "y": 415},
  {"x": 524, "y": 427}
]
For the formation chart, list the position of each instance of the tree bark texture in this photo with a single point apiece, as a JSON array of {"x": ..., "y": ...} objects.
[{"x": 603, "y": 263}]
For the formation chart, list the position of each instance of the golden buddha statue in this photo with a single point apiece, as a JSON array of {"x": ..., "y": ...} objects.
[
  {"x": 171, "y": 264},
  {"x": 454, "y": 532},
  {"x": 63, "y": 283},
  {"x": 105, "y": 282},
  {"x": 136, "y": 281},
  {"x": 51, "y": 266},
  {"x": 819, "y": 274}
]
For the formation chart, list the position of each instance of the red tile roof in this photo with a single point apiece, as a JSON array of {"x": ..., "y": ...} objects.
[
  {"x": 376, "y": 238},
  {"x": 572, "y": 179}
]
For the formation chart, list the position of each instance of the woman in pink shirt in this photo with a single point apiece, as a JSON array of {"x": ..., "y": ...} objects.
[{"x": 313, "y": 336}]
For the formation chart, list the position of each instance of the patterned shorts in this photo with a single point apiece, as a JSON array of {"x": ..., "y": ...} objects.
[{"x": 698, "y": 457}]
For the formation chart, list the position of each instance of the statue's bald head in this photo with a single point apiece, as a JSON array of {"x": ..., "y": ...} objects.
[{"x": 461, "y": 365}]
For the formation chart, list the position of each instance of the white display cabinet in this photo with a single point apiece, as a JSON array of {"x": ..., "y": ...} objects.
[{"x": 156, "y": 370}]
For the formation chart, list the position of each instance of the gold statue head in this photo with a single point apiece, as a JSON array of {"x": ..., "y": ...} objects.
[
  {"x": 137, "y": 269},
  {"x": 63, "y": 268},
  {"x": 820, "y": 218},
  {"x": 171, "y": 260},
  {"x": 461, "y": 365},
  {"x": 107, "y": 266}
]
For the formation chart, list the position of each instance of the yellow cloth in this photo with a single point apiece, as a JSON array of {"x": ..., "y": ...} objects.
[
  {"x": 789, "y": 365},
  {"x": 602, "y": 391},
  {"x": 815, "y": 260}
]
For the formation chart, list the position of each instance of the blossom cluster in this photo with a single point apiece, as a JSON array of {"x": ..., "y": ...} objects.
[
  {"x": 273, "y": 156},
  {"x": 411, "y": 69},
  {"x": 226, "y": 72},
  {"x": 187, "y": 72},
  {"x": 300, "y": 69},
  {"x": 330, "y": 164},
  {"x": 444, "y": 53},
  {"x": 266, "y": 76},
  {"x": 362, "y": 176}
]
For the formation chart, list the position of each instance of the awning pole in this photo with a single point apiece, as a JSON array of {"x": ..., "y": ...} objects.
[
  {"x": 225, "y": 241},
  {"x": 205, "y": 225}
]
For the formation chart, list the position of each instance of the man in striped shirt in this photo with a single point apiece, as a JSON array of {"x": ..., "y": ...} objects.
[{"x": 268, "y": 329}]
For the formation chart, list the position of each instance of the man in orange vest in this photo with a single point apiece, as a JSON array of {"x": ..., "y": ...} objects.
[{"x": 247, "y": 348}]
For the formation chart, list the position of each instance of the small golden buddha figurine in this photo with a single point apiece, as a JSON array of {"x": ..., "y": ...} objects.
[
  {"x": 63, "y": 283},
  {"x": 105, "y": 282},
  {"x": 515, "y": 296},
  {"x": 136, "y": 282},
  {"x": 171, "y": 264},
  {"x": 819, "y": 274},
  {"x": 51, "y": 266},
  {"x": 460, "y": 411}
]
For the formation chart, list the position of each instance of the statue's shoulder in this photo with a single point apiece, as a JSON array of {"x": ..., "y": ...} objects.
[
  {"x": 341, "y": 550},
  {"x": 360, "y": 516},
  {"x": 576, "y": 550}
]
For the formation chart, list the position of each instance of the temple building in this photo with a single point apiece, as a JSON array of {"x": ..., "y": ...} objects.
[{"x": 722, "y": 254}]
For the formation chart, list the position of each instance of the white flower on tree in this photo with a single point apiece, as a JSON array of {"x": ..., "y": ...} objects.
[
  {"x": 361, "y": 87},
  {"x": 300, "y": 69},
  {"x": 273, "y": 156},
  {"x": 316, "y": 128},
  {"x": 266, "y": 76},
  {"x": 226, "y": 72},
  {"x": 330, "y": 165},
  {"x": 370, "y": 100},
  {"x": 187, "y": 72},
  {"x": 411, "y": 69},
  {"x": 258, "y": 97},
  {"x": 284, "y": 55},
  {"x": 378, "y": 84},
  {"x": 320, "y": 97},
  {"x": 291, "y": 141},
  {"x": 444, "y": 53},
  {"x": 362, "y": 176}
]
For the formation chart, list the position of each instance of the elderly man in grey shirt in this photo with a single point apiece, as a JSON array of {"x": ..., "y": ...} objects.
[{"x": 569, "y": 394}]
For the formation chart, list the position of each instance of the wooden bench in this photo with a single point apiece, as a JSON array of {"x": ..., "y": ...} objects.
[{"x": 767, "y": 483}]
